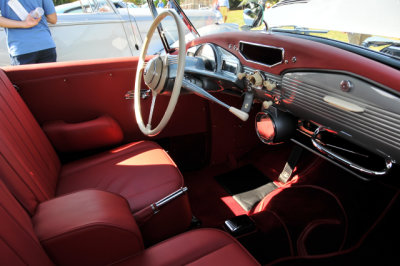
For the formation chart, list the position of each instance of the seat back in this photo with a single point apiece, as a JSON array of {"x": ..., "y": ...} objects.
[
  {"x": 29, "y": 166},
  {"x": 18, "y": 242}
]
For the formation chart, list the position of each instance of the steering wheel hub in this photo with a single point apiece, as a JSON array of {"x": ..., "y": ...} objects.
[{"x": 153, "y": 73}]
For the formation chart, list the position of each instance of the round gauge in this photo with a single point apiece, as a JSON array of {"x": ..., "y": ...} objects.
[{"x": 207, "y": 52}]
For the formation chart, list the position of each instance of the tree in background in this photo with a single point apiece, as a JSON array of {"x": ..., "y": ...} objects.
[
  {"x": 237, "y": 4},
  {"x": 60, "y": 2}
]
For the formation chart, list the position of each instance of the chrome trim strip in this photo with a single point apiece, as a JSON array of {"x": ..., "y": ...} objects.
[
  {"x": 261, "y": 45},
  {"x": 169, "y": 198},
  {"x": 343, "y": 105},
  {"x": 319, "y": 146},
  {"x": 89, "y": 22}
]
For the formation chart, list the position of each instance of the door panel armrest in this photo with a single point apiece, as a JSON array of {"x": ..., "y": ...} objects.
[{"x": 73, "y": 137}]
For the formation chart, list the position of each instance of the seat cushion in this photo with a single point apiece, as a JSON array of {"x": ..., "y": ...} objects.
[
  {"x": 143, "y": 173},
  {"x": 197, "y": 247}
]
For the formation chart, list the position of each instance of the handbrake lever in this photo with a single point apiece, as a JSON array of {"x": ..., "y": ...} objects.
[{"x": 203, "y": 93}]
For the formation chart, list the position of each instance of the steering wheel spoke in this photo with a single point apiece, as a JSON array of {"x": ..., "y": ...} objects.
[
  {"x": 153, "y": 102},
  {"x": 172, "y": 59},
  {"x": 155, "y": 74}
]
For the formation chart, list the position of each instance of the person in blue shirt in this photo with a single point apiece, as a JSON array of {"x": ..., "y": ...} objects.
[
  {"x": 29, "y": 41},
  {"x": 170, "y": 4},
  {"x": 160, "y": 4}
]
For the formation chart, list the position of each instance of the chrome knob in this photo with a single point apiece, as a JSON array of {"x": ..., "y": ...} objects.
[
  {"x": 269, "y": 85},
  {"x": 346, "y": 85}
]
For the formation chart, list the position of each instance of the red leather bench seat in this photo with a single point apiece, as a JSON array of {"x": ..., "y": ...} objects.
[
  {"x": 142, "y": 172},
  {"x": 19, "y": 244}
]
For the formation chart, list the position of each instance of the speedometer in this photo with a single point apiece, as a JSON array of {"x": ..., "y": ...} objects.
[{"x": 207, "y": 52}]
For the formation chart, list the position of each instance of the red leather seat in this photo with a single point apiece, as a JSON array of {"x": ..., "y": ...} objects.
[
  {"x": 142, "y": 172},
  {"x": 197, "y": 247},
  {"x": 106, "y": 221}
]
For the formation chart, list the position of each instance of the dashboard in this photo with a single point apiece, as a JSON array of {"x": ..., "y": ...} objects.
[{"x": 338, "y": 104}]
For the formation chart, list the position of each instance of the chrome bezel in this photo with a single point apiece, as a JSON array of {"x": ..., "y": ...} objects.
[
  {"x": 263, "y": 140},
  {"x": 261, "y": 45}
]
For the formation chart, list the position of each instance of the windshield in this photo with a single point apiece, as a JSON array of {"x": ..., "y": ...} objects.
[{"x": 371, "y": 24}]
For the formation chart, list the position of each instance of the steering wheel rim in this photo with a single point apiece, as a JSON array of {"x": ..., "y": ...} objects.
[{"x": 146, "y": 130}]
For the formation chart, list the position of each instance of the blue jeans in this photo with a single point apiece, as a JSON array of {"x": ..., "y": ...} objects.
[{"x": 42, "y": 56}]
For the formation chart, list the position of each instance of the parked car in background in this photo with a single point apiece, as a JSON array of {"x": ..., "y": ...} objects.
[
  {"x": 325, "y": 19},
  {"x": 91, "y": 29},
  {"x": 88, "y": 6}
]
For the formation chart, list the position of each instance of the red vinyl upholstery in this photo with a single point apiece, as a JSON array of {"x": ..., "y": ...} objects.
[
  {"x": 197, "y": 247},
  {"x": 72, "y": 137},
  {"x": 29, "y": 165},
  {"x": 19, "y": 244},
  {"x": 89, "y": 227},
  {"x": 141, "y": 172},
  {"x": 144, "y": 163},
  {"x": 145, "y": 174}
]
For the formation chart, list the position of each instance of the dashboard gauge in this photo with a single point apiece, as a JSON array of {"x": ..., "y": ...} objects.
[{"x": 207, "y": 52}]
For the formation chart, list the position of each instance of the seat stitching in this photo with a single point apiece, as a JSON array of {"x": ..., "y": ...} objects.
[
  {"x": 20, "y": 226},
  {"x": 29, "y": 122},
  {"x": 24, "y": 181},
  {"x": 93, "y": 225},
  {"x": 36, "y": 168}
]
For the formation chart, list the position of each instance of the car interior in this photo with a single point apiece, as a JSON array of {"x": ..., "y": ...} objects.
[{"x": 269, "y": 149}]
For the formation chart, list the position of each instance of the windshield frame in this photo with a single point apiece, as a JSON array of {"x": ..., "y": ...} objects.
[{"x": 160, "y": 29}]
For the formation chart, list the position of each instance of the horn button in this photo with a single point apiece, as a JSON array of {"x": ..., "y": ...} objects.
[{"x": 153, "y": 73}]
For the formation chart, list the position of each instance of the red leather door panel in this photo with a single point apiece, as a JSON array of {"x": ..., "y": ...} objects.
[{"x": 84, "y": 90}]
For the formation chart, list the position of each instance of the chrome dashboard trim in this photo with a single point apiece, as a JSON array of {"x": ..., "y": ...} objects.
[
  {"x": 261, "y": 45},
  {"x": 320, "y": 147},
  {"x": 376, "y": 129}
]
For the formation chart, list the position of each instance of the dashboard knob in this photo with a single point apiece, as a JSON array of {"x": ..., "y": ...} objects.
[
  {"x": 266, "y": 104},
  {"x": 346, "y": 85},
  {"x": 269, "y": 85},
  {"x": 240, "y": 75},
  {"x": 256, "y": 79}
]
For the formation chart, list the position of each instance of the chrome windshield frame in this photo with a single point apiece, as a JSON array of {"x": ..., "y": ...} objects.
[{"x": 160, "y": 29}]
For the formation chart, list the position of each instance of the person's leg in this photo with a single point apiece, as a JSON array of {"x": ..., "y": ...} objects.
[
  {"x": 24, "y": 59},
  {"x": 224, "y": 12},
  {"x": 47, "y": 56}
]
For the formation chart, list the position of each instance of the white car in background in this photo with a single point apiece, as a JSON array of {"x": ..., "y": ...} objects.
[
  {"x": 85, "y": 6},
  {"x": 92, "y": 29}
]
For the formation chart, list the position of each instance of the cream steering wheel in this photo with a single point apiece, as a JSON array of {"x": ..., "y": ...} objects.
[{"x": 155, "y": 73}]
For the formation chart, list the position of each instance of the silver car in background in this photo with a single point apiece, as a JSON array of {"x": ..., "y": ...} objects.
[{"x": 93, "y": 29}]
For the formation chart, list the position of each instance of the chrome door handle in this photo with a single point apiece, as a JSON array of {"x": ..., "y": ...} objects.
[
  {"x": 320, "y": 147},
  {"x": 144, "y": 94}
]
